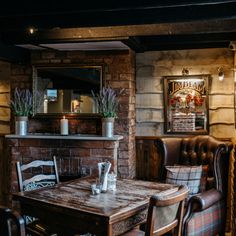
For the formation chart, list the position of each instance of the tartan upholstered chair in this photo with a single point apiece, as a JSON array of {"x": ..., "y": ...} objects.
[{"x": 205, "y": 212}]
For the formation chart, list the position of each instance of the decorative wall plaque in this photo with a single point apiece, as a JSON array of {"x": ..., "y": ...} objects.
[{"x": 186, "y": 104}]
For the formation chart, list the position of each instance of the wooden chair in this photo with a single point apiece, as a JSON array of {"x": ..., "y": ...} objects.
[
  {"x": 37, "y": 174},
  {"x": 165, "y": 214},
  {"x": 34, "y": 175},
  {"x": 11, "y": 223}
]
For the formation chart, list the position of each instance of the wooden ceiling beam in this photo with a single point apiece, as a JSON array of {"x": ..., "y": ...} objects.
[
  {"x": 95, "y": 6},
  {"x": 135, "y": 44},
  {"x": 170, "y": 42},
  {"x": 84, "y": 15},
  {"x": 120, "y": 32}
]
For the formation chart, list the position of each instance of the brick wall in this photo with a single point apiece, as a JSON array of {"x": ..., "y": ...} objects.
[
  {"x": 74, "y": 157},
  {"x": 119, "y": 73}
]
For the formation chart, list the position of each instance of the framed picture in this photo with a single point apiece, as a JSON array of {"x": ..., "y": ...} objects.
[{"x": 186, "y": 104}]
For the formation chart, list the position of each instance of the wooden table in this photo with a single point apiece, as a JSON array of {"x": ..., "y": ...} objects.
[{"x": 70, "y": 207}]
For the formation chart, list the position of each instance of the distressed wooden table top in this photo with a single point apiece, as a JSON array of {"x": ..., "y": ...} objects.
[{"x": 77, "y": 195}]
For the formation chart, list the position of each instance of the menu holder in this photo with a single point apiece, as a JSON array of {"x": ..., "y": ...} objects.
[{"x": 103, "y": 170}]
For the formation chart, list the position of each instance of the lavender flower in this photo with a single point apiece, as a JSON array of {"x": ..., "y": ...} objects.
[
  {"x": 22, "y": 103},
  {"x": 107, "y": 101}
]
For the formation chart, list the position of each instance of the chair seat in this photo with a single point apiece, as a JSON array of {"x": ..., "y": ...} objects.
[
  {"x": 36, "y": 228},
  {"x": 134, "y": 232}
]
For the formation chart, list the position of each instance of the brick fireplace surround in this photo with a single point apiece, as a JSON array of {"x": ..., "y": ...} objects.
[
  {"x": 119, "y": 72},
  {"x": 76, "y": 155}
]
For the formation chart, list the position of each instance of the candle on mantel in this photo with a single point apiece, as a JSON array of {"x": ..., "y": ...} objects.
[{"x": 64, "y": 126}]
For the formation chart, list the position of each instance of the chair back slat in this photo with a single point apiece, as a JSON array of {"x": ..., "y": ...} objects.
[
  {"x": 38, "y": 178},
  {"x": 36, "y": 164}
]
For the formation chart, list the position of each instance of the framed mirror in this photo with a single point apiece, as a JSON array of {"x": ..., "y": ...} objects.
[
  {"x": 186, "y": 104},
  {"x": 65, "y": 89}
]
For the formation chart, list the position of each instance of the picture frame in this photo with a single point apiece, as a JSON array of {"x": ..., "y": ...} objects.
[{"x": 186, "y": 104}]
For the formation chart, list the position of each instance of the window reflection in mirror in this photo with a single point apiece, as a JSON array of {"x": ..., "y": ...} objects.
[{"x": 66, "y": 89}]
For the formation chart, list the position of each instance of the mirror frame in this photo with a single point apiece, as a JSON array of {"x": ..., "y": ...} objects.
[
  {"x": 67, "y": 114},
  {"x": 172, "y": 106}
]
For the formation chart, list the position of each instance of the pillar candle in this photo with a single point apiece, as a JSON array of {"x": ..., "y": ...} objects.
[{"x": 64, "y": 126}]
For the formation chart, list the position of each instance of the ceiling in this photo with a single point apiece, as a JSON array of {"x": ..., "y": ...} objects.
[{"x": 115, "y": 25}]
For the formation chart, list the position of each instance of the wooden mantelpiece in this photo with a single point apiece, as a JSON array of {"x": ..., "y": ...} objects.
[
  {"x": 73, "y": 152},
  {"x": 90, "y": 137}
]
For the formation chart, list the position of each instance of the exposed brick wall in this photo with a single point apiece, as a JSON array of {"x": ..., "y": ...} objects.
[
  {"x": 84, "y": 154},
  {"x": 119, "y": 73},
  {"x": 76, "y": 125}
]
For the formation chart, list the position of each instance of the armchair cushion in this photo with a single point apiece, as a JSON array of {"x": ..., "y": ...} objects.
[{"x": 185, "y": 175}]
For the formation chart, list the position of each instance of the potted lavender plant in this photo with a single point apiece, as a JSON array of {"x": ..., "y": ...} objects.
[
  {"x": 22, "y": 107},
  {"x": 107, "y": 102}
]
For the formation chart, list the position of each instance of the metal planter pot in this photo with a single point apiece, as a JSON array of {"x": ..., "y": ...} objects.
[
  {"x": 108, "y": 127},
  {"x": 21, "y": 125}
]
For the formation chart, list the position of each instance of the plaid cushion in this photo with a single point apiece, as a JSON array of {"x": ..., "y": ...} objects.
[
  {"x": 207, "y": 222},
  {"x": 185, "y": 175}
]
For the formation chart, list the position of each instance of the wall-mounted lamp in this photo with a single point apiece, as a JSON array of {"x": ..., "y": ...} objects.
[
  {"x": 185, "y": 71},
  {"x": 221, "y": 74},
  {"x": 232, "y": 45}
]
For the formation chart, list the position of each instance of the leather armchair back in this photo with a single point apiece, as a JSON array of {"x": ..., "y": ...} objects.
[{"x": 198, "y": 150}]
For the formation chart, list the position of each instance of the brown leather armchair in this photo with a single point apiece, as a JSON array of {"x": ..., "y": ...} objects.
[{"x": 205, "y": 212}]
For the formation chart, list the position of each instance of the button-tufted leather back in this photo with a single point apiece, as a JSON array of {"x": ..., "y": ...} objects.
[{"x": 198, "y": 150}]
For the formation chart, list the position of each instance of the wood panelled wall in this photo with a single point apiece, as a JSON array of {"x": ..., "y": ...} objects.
[
  {"x": 148, "y": 159},
  {"x": 152, "y": 66},
  {"x": 5, "y": 76}
]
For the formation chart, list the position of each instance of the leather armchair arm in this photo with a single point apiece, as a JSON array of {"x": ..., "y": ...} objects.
[{"x": 204, "y": 200}]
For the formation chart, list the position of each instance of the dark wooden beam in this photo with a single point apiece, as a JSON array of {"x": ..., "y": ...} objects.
[
  {"x": 90, "y": 6},
  {"x": 134, "y": 43},
  {"x": 112, "y": 14},
  {"x": 142, "y": 25},
  {"x": 120, "y": 32},
  {"x": 165, "y": 42}
]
